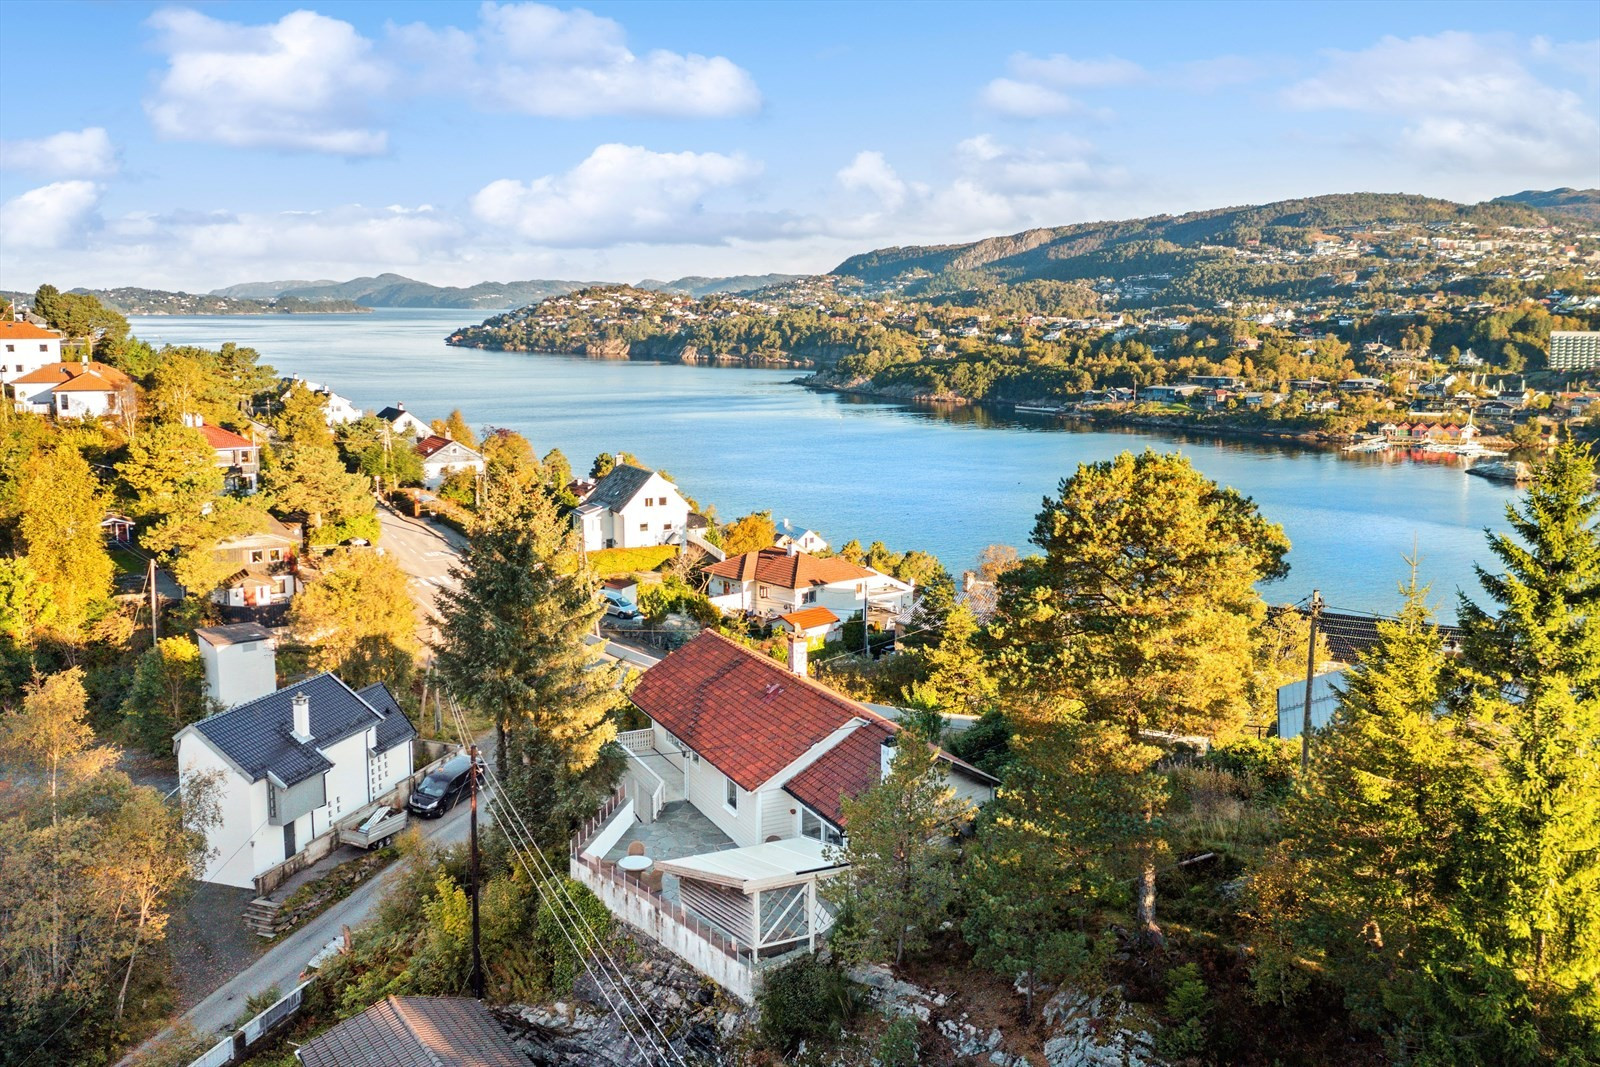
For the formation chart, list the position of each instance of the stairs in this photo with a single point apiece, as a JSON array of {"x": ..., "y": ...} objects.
[{"x": 261, "y": 916}]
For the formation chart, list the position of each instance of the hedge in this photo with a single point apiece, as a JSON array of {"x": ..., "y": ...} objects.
[{"x": 609, "y": 562}]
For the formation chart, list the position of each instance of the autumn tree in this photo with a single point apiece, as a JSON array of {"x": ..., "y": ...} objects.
[
  {"x": 312, "y": 481},
  {"x": 170, "y": 469},
  {"x": 187, "y": 543},
  {"x": 50, "y": 733},
  {"x": 302, "y": 421},
  {"x": 61, "y": 504},
  {"x": 512, "y": 646},
  {"x": 751, "y": 533},
  {"x": 603, "y": 465},
  {"x": 455, "y": 427},
  {"x": 359, "y": 621},
  {"x": 168, "y": 693},
  {"x": 899, "y": 886}
]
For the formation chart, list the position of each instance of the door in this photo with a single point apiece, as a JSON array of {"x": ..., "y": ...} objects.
[{"x": 288, "y": 839}]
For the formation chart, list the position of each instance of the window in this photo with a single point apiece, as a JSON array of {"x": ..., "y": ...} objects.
[
  {"x": 808, "y": 597},
  {"x": 813, "y": 826},
  {"x": 730, "y": 795},
  {"x": 643, "y": 526},
  {"x": 275, "y": 555},
  {"x": 257, "y": 555},
  {"x": 666, "y": 526},
  {"x": 662, "y": 501},
  {"x": 11, "y": 348},
  {"x": 44, "y": 348},
  {"x": 648, "y": 502}
]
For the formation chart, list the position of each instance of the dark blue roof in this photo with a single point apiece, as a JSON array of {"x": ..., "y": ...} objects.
[
  {"x": 395, "y": 727},
  {"x": 620, "y": 486},
  {"x": 257, "y": 735}
]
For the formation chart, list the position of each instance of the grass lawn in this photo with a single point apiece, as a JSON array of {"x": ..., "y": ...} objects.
[
  {"x": 128, "y": 562},
  {"x": 611, "y": 562}
]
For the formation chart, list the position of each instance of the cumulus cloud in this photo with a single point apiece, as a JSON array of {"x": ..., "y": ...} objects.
[
  {"x": 303, "y": 83},
  {"x": 86, "y": 153},
  {"x": 624, "y": 194},
  {"x": 50, "y": 216},
  {"x": 1461, "y": 100},
  {"x": 871, "y": 172},
  {"x": 1035, "y": 88},
  {"x": 540, "y": 60}
]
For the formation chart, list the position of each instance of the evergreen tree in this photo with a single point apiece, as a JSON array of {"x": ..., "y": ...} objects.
[
  {"x": 312, "y": 481},
  {"x": 303, "y": 419},
  {"x": 899, "y": 884},
  {"x": 954, "y": 677},
  {"x": 170, "y": 469},
  {"x": 61, "y": 504},
  {"x": 512, "y": 646},
  {"x": 167, "y": 694}
]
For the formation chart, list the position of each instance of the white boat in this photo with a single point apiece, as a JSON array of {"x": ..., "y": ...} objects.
[{"x": 1373, "y": 444}]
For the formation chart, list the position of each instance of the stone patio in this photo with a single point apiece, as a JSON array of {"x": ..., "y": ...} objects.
[{"x": 679, "y": 831}]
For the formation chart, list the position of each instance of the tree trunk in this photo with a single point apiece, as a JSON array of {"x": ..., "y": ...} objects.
[{"x": 1148, "y": 929}]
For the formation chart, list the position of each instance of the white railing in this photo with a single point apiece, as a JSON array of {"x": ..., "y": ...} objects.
[
  {"x": 640, "y": 741},
  {"x": 647, "y": 788},
  {"x": 232, "y": 1048}
]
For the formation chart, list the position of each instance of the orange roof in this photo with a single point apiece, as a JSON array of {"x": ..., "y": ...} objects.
[
  {"x": 218, "y": 438},
  {"x": 775, "y": 566},
  {"x": 98, "y": 377},
  {"x": 11, "y": 328},
  {"x": 745, "y": 713},
  {"x": 807, "y": 618}
]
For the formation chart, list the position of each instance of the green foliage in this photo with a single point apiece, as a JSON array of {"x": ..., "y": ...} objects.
[
  {"x": 1187, "y": 1007},
  {"x": 167, "y": 694},
  {"x": 366, "y": 528},
  {"x": 170, "y": 470},
  {"x": 1269, "y": 765},
  {"x": 358, "y": 620},
  {"x": 898, "y": 1045},
  {"x": 302, "y": 420},
  {"x": 673, "y": 595},
  {"x": 562, "y": 964},
  {"x": 460, "y": 486},
  {"x": 805, "y": 1000},
  {"x": 370, "y": 448},
  {"x": 311, "y": 480},
  {"x": 986, "y": 744},
  {"x": 61, "y": 503},
  {"x": 620, "y": 562}
]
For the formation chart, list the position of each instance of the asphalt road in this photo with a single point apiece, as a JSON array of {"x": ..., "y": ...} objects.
[{"x": 426, "y": 552}]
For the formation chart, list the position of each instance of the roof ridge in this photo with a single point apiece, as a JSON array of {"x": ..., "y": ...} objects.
[{"x": 855, "y": 707}]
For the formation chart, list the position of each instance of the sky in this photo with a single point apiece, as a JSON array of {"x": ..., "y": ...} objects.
[{"x": 199, "y": 145}]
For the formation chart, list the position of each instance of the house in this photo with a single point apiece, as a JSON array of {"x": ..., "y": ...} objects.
[
  {"x": 767, "y": 757},
  {"x": 1361, "y": 385},
  {"x": 421, "y": 1031},
  {"x": 74, "y": 390},
  {"x": 776, "y": 581},
  {"x": 239, "y": 457},
  {"x": 117, "y": 529},
  {"x": 240, "y": 662},
  {"x": 25, "y": 348},
  {"x": 266, "y": 571},
  {"x": 403, "y": 422},
  {"x": 632, "y": 507},
  {"x": 292, "y": 763},
  {"x": 335, "y": 408},
  {"x": 806, "y": 541},
  {"x": 442, "y": 457},
  {"x": 1167, "y": 394},
  {"x": 815, "y": 625}
]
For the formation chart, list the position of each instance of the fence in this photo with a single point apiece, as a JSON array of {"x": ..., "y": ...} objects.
[{"x": 232, "y": 1048}]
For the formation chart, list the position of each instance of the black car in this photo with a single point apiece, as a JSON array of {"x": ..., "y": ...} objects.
[{"x": 442, "y": 787}]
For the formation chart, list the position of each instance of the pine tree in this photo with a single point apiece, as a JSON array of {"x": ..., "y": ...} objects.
[
  {"x": 170, "y": 469},
  {"x": 513, "y": 648},
  {"x": 303, "y": 419},
  {"x": 313, "y": 481}
]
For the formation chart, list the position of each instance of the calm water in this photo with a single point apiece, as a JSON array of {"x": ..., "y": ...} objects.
[{"x": 948, "y": 482}]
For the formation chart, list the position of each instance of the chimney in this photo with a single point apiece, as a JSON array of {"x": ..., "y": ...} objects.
[
  {"x": 400, "y": 406},
  {"x": 302, "y": 718},
  {"x": 797, "y": 654},
  {"x": 886, "y": 752},
  {"x": 791, "y": 548}
]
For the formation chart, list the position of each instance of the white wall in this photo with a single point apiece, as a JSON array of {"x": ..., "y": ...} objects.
[
  {"x": 348, "y": 786},
  {"x": 24, "y": 355},
  {"x": 388, "y": 768},
  {"x": 704, "y": 787},
  {"x": 656, "y": 517},
  {"x": 243, "y": 807},
  {"x": 240, "y": 672}
]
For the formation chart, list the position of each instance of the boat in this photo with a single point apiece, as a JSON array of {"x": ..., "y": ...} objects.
[{"x": 1371, "y": 444}]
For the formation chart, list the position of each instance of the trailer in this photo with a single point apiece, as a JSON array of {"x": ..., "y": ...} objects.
[{"x": 376, "y": 829}]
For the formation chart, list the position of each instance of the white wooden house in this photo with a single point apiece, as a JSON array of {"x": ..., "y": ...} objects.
[
  {"x": 632, "y": 507},
  {"x": 775, "y": 582},
  {"x": 25, "y": 348},
  {"x": 441, "y": 457}
]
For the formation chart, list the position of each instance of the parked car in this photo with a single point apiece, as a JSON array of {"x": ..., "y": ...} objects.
[
  {"x": 620, "y": 607},
  {"x": 443, "y": 787}
]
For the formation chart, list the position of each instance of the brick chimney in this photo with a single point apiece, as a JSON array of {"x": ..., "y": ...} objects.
[
  {"x": 302, "y": 718},
  {"x": 798, "y": 654}
]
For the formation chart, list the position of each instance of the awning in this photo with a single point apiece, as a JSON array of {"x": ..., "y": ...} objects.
[{"x": 777, "y": 863}]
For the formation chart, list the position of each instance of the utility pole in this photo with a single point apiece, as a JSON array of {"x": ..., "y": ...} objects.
[
  {"x": 155, "y": 604},
  {"x": 1311, "y": 669},
  {"x": 477, "y": 956}
]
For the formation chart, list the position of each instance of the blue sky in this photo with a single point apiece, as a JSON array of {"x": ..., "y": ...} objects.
[{"x": 194, "y": 146}]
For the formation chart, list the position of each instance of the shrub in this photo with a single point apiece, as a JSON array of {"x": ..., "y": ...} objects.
[
  {"x": 1188, "y": 1004},
  {"x": 366, "y": 527},
  {"x": 553, "y": 944},
  {"x": 805, "y": 999},
  {"x": 1268, "y": 765},
  {"x": 898, "y": 1045}
]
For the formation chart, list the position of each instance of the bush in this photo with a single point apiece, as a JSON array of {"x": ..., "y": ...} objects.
[
  {"x": 365, "y": 527},
  {"x": 1268, "y": 765},
  {"x": 898, "y": 1045},
  {"x": 1188, "y": 1004},
  {"x": 805, "y": 999},
  {"x": 564, "y": 964}
]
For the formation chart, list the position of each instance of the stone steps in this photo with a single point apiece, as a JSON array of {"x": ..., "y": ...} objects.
[{"x": 261, "y": 916}]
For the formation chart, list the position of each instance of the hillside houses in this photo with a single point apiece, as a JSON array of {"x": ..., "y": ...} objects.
[
  {"x": 25, "y": 348},
  {"x": 77, "y": 389},
  {"x": 779, "y": 581}
]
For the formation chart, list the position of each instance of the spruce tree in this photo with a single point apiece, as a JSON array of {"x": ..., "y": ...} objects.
[{"x": 512, "y": 646}]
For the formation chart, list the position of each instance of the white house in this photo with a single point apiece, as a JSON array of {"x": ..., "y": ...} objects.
[
  {"x": 814, "y": 624},
  {"x": 805, "y": 541},
  {"x": 775, "y": 582},
  {"x": 293, "y": 763},
  {"x": 25, "y": 348},
  {"x": 240, "y": 662},
  {"x": 74, "y": 390},
  {"x": 441, "y": 457},
  {"x": 632, "y": 508},
  {"x": 335, "y": 408},
  {"x": 404, "y": 423}
]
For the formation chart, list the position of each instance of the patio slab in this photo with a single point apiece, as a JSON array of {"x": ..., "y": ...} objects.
[{"x": 680, "y": 830}]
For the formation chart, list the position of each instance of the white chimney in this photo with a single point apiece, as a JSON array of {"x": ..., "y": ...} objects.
[
  {"x": 400, "y": 406},
  {"x": 797, "y": 654},
  {"x": 791, "y": 547},
  {"x": 302, "y": 718},
  {"x": 886, "y": 753}
]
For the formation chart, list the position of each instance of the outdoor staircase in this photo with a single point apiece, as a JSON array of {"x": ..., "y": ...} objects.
[{"x": 261, "y": 916}]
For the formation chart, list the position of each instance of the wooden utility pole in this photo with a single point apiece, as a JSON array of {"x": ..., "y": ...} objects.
[
  {"x": 155, "y": 603},
  {"x": 477, "y": 955},
  {"x": 1311, "y": 670}
]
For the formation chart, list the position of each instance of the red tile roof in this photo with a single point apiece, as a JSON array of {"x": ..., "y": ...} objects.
[
  {"x": 218, "y": 438},
  {"x": 743, "y": 712},
  {"x": 848, "y": 768},
  {"x": 775, "y": 566},
  {"x": 97, "y": 377},
  {"x": 809, "y": 618},
  {"x": 11, "y": 328}
]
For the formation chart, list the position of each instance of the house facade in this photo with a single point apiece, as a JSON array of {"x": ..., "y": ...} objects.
[
  {"x": 74, "y": 390},
  {"x": 239, "y": 457},
  {"x": 775, "y": 582},
  {"x": 805, "y": 541},
  {"x": 632, "y": 507},
  {"x": 25, "y": 348},
  {"x": 266, "y": 562},
  {"x": 291, "y": 764},
  {"x": 404, "y": 423},
  {"x": 441, "y": 457}
]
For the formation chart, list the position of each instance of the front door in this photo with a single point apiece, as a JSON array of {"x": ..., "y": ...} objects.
[{"x": 288, "y": 839}]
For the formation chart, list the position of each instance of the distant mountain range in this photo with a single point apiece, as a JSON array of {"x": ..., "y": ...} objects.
[
  {"x": 1167, "y": 242},
  {"x": 397, "y": 291}
]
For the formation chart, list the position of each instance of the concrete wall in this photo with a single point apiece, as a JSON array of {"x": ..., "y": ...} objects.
[{"x": 239, "y": 672}]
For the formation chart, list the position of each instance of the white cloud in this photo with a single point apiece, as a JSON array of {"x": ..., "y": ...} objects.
[
  {"x": 871, "y": 172},
  {"x": 1461, "y": 100},
  {"x": 303, "y": 83},
  {"x": 624, "y": 194},
  {"x": 1024, "y": 100},
  {"x": 1034, "y": 89},
  {"x": 83, "y": 153},
  {"x": 50, "y": 216},
  {"x": 540, "y": 60}
]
